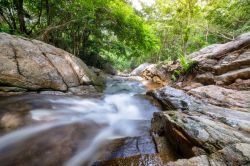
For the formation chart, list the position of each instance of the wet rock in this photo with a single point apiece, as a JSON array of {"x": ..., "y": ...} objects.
[
  {"x": 108, "y": 68},
  {"x": 54, "y": 93},
  {"x": 53, "y": 147},
  {"x": 135, "y": 146},
  {"x": 201, "y": 132},
  {"x": 173, "y": 99},
  {"x": 34, "y": 65},
  {"x": 236, "y": 154},
  {"x": 10, "y": 121},
  {"x": 148, "y": 159},
  {"x": 11, "y": 89},
  {"x": 89, "y": 91}
]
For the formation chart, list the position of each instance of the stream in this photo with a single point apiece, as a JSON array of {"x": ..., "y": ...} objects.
[{"x": 52, "y": 130}]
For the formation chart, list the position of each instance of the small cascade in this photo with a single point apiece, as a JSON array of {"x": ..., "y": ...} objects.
[{"x": 118, "y": 115}]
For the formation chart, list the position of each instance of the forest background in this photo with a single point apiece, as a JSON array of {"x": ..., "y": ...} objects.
[{"x": 115, "y": 32}]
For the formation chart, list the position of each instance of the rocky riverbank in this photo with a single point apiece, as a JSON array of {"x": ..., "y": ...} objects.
[{"x": 206, "y": 120}]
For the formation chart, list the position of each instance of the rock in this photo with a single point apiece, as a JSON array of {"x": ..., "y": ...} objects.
[
  {"x": 174, "y": 99},
  {"x": 192, "y": 86},
  {"x": 223, "y": 64},
  {"x": 223, "y": 97},
  {"x": 84, "y": 90},
  {"x": 205, "y": 79},
  {"x": 108, "y": 68},
  {"x": 201, "y": 132},
  {"x": 98, "y": 61},
  {"x": 243, "y": 85},
  {"x": 236, "y": 154},
  {"x": 230, "y": 77},
  {"x": 138, "y": 71},
  {"x": 34, "y": 65},
  {"x": 11, "y": 89},
  {"x": 88, "y": 90},
  {"x": 218, "y": 50},
  {"x": 178, "y": 84},
  {"x": 157, "y": 73},
  {"x": 10, "y": 121},
  {"x": 195, "y": 161}
]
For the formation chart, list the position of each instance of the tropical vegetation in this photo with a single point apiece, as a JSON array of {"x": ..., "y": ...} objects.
[{"x": 115, "y": 32}]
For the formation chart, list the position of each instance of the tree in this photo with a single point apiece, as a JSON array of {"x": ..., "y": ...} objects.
[
  {"x": 83, "y": 27},
  {"x": 184, "y": 26}
]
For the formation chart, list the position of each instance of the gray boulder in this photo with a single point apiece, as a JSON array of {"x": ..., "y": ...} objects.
[{"x": 34, "y": 65}]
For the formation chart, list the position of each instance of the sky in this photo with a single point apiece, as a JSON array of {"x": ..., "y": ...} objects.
[{"x": 137, "y": 5}]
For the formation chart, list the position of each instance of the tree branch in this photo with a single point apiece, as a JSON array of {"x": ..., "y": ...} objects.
[
  {"x": 219, "y": 34},
  {"x": 44, "y": 35}
]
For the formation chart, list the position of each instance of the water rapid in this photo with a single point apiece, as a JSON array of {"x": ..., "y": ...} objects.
[{"x": 117, "y": 115}]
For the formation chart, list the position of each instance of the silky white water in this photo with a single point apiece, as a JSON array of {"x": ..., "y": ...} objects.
[{"x": 115, "y": 112}]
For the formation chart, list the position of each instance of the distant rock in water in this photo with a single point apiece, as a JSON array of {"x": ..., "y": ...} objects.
[
  {"x": 34, "y": 65},
  {"x": 138, "y": 71}
]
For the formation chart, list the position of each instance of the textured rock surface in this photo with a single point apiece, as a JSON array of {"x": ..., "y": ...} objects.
[
  {"x": 204, "y": 133},
  {"x": 138, "y": 71},
  {"x": 223, "y": 97},
  {"x": 160, "y": 74},
  {"x": 225, "y": 64},
  {"x": 34, "y": 65}
]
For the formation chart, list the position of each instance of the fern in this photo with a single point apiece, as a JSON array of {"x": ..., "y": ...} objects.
[{"x": 186, "y": 66}]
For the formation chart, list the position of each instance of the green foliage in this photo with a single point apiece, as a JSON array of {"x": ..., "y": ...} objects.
[
  {"x": 110, "y": 28},
  {"x": 231, "y": 17},
  {"x": 123, "y": 36},
  {"x": 185, "y": 26},
  {"x": 186, "y": 65}
]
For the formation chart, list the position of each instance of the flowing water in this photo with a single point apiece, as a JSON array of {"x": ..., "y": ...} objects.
[{"x": 73, "y": 131}]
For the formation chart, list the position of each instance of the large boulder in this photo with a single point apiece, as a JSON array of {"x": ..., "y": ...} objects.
[
  {"x": 34, "y": 65},
  {"x": 200, "y": 129},
  {"x": 226, "y": 64},
  {"x": 206, "y": 120}
]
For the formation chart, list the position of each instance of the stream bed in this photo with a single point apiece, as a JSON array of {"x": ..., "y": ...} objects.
[{"x": 40, "y": 130}]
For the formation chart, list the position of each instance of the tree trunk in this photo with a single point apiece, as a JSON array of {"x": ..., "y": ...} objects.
[
  {"x": 48, "y": 12},
  {"x": 20, "y": 14},
  {"x": 85, "y": 42}
]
